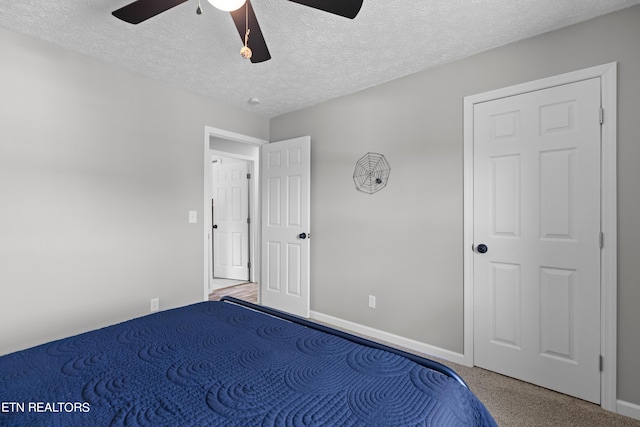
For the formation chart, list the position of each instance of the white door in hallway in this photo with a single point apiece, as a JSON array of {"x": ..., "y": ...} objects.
[
  {"x": 285, "y": 181},
  {"x": 536, "y": 266},
  {"x": 230, "y": 216}
]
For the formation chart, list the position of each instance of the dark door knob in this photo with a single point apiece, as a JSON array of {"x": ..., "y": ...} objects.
[
  {"x": 215, "y": 225},
  {"x": 302, "y": 236},
  {"x": 482, "y": 248}
]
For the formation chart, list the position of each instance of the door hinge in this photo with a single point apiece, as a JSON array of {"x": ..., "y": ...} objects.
[
  {"x": 248, "y": 220},
  {"x": 601, "y": 240},
  {"x": 249, "y": 265},
  {"x": 249, "y": 175},
  {"x": 601, "y": 115},
  {"x": 601, "y": 363}
]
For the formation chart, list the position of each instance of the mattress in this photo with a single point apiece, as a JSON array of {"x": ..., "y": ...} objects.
[{"x": 222, "y": 364}]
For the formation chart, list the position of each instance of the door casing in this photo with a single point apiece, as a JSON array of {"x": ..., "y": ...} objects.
[{"x": 608, "y": 276}]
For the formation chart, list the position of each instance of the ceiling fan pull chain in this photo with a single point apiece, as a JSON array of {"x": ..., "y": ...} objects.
[{"x": 245, "y": 52}]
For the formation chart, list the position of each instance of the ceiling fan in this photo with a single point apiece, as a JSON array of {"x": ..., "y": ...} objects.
[{"x": 255, "y": 47}]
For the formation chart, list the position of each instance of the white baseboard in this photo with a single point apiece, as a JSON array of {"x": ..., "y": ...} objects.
[
  {"x": 426, "y": 349},
  {"x": 627, "y": 409}
]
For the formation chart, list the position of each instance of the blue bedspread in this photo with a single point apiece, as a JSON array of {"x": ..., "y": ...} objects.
[{"x": 217, "y": 364}]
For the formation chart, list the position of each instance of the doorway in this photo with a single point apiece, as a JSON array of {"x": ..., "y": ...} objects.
[
  {"x": 605, "y": 235},
  {"x": 284, "y": 271},
  {"x": 243, "y": 150}
]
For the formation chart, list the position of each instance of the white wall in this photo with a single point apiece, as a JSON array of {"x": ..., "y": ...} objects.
[
  {"x": 404, "y": 244},
  {"x": 98, "y": 170}
]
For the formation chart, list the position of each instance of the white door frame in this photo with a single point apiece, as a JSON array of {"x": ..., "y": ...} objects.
[
  {"x": 608, "y": 276},
  {"x": 211, "y": 132}
]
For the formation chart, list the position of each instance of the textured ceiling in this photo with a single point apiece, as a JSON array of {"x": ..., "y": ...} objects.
[{"x": 316, "y": 56}]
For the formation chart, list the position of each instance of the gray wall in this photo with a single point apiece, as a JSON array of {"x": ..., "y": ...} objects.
[
  {"x": 98, "y": 170},
  {"x": 99, "y": 166},
  {"x": 404, "y": 244}
]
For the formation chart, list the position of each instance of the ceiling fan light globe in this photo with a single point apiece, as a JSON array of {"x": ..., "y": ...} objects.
[{"x": 227, "y": 5}]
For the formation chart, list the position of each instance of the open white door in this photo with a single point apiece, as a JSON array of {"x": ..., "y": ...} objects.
[{"x": 285, "y": 170}]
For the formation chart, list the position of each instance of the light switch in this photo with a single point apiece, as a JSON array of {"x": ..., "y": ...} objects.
[{"x": 193, "y": 217}]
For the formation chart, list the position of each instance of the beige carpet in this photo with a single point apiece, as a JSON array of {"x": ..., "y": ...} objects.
[{"x": 514, "y": 403}]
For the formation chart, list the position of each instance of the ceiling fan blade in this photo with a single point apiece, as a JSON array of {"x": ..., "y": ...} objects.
[
  {"x": 346, "y": 8},
  {"x": 256, "y": 40},
  {"x": 141, "y": 10}
]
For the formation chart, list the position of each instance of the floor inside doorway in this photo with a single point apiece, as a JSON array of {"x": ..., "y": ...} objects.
[
  {"x": 246, "y": 291},
  {"x": 219, "y": 282}
]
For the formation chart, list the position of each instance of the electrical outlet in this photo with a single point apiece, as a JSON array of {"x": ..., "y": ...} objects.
[
  {"x": 372, "y": 301},
  {"x": 154, "y": 304},
  {"x": 193, "y": 217}
]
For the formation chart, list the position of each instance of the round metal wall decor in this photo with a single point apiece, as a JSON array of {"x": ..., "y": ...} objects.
[{"x": 371, "y": 173}]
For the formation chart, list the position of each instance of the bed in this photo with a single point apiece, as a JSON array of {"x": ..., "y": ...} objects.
[{"x": 229, "y": 363}]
